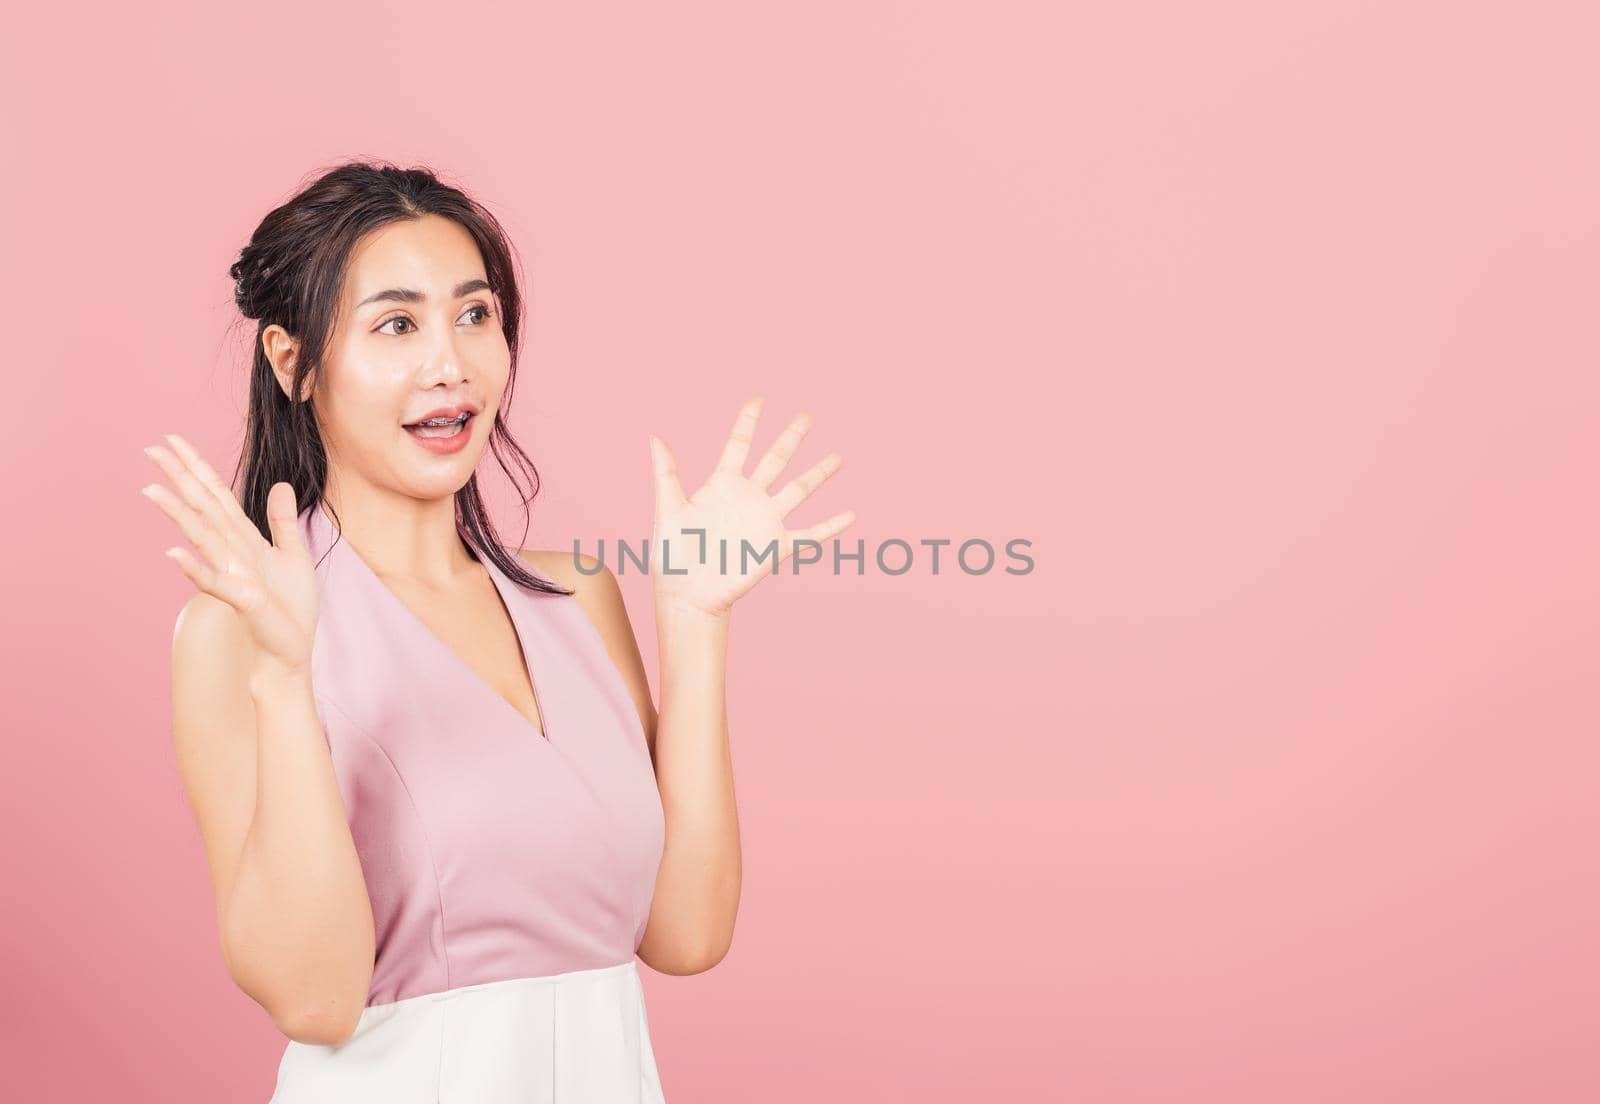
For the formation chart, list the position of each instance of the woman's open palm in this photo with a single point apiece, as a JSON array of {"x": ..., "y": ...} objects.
[
  {"x": 271, "y": 585},
  {"x": 730, "y": 510}
]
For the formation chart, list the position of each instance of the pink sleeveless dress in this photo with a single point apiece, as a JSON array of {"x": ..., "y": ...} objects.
[{"x": 510, "y": 871}]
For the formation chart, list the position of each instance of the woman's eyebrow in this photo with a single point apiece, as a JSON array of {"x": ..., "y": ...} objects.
[{"x": 409, "y": 295}]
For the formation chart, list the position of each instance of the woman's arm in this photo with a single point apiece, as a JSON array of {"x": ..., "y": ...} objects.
[
  {"x": 293, "y": 917},
  {"x": 698, "y": 885}
]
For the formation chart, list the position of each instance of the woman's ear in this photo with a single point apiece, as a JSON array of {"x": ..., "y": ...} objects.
[{"x": 281, "y": 351}]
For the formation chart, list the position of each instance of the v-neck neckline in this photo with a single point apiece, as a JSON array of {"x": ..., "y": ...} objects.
[{"x": 501, "y": 585}]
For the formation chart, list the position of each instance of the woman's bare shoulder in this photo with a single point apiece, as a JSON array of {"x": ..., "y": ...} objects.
[{"x": 564, "y": 567}]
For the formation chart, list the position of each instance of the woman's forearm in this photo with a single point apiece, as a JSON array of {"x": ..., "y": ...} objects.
[
  {"x": 298, "y": 931},
  {"x": 698, "y": 883}
]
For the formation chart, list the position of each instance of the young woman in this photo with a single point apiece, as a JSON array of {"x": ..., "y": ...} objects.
[{"x": 441, "y": 812}]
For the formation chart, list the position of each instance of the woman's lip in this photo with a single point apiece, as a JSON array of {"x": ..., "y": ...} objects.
[{"x": 444, "y": 412}]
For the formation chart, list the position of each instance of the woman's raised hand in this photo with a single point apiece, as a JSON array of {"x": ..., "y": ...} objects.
[
  {"x": 734, "y": 508},
  {"x": 272, "y": 586}
]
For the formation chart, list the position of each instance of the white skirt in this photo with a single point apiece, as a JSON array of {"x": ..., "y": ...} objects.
[{"x": 575, "y": 1038}]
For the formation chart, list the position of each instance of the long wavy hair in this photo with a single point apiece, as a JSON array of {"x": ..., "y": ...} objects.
[{"x": 292, "y": 272}]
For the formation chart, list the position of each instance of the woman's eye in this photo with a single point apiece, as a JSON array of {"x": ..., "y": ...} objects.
[{"x": 479, "y": 307}]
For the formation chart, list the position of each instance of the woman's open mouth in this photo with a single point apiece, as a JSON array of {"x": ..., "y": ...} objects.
[{"x": 443, "y": 435}]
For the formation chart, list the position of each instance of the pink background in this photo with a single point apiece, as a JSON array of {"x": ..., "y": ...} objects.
[{"x": 1272, "y": 326}]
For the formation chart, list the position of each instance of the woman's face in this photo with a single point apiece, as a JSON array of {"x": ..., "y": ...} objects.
[{"x": 418, "y": 331}]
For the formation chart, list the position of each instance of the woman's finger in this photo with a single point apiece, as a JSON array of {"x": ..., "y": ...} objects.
[
  {"x": 231, "y": 589},
  {"x": 737, "y": 448},
  {"x": 800, "y": 488},
  {"x": 283, "y": 521},
  {"x": 825, "y": 529},
  {"x": 195, "y": 528},
  {"x": 669, "y": 492},
  {"x": 776, "y": 458},
  {"x": 202, "y": 501},
  {"x": 208, "y": 478}
]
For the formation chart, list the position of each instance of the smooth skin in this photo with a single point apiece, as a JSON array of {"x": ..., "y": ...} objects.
[{"x": 294, "y": 920}]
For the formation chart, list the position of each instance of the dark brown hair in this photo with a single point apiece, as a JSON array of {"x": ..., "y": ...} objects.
[{"x": 291, "y": 274}]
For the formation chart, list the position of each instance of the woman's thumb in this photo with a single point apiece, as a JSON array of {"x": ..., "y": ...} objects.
[{"x": 284, "y": 520}]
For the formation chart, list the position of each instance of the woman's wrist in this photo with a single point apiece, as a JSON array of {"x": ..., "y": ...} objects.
[
  {"x": 669, "y": 612},
  {"x": 271, "y": 679}
]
